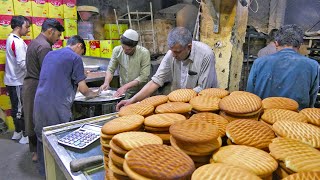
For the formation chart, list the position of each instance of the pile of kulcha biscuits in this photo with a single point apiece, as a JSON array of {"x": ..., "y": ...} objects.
[{"x": 212, "y": 135}]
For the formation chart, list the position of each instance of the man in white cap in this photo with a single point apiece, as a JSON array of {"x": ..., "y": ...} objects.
[{"x": 133, "y": 62}]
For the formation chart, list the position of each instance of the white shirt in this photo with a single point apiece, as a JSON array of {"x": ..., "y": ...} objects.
[{"x": 15, "y": 69}]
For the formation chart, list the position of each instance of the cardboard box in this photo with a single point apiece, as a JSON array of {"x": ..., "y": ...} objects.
[
  {"x": 94, "y": 48},
  {"x": 6, "y": 7},
  {"x": 71, "y": 28},
  {"x": 5, "y": 28},
  {"x": 111, "y": 31},
  {"x": 70, "y": 9},
  {"x": 55, "y": 8},
  {"x": 2, "y": 85},
  {"x": 86, "y": 42},
  {"x": 123, "y": 28},
  {"x": 22, "y": 7},
  {"x": 106, "y": 48},
  {"x": 116, "y": 43},
  {"x": 40, "y": 8},
  {"x": 57, "y": 45}
]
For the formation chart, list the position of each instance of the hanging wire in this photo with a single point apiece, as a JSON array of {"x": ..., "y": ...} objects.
[{"x": 256, "y": 4}]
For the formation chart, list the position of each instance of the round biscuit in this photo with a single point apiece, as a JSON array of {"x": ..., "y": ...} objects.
[
  {"x": 156, "y": 100},
  {"x": 159, "y": 162},
  {"x": 136, "y": 108},
  {"x": 215, "y": 92},
  {"x": 190, "y": 153},
  {"x": 273, "y": 115},
  {"x": 122, "y": 124},
  {"x": 163, "y": 120},
  {"x": 205, "y": 103},
  {"x": 313, "y": 115},
  {"x": 218, "y": 171},
  {"x": 117, "y": 149},
  {"x": 303, "y": 176},
  {"x": 174, "y": 107},
  {"x": 231, "y": 118},
  {"x": 194, "y": 131},
  {"x": 280, "y": 103},
  {"x": 182, "y": 95}
]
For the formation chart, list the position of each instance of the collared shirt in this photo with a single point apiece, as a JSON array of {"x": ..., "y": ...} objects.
[
  {"x": 15, "y": 68},
  {"x": 200, "y": 65},
  {"x": 269, "y": 49},
  {"x": 135, "y": 67},
  {"x": 61, "y": 72},
  {"x": 285, "y": 74},
  {"x": 37, "y": 50}
]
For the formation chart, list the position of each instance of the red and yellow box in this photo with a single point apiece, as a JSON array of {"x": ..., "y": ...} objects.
[
  {"x": 57, "y": 45},
  {"x": 37, "y": 25},
  {"x": 70, "y": 9},
  {"x": 123, "y": 28},
  {"x": 61, "y": 21},
  {"x": 22, "y": 7},
  {"x": 40, "y": 8},
  {"x": 2, "y": 85},
  {"x": 5, "y": 28},
  {"x": 70, "y": 28},
  {"x": 94, "y": 48},
  {"x": 106, "y": 48},
  {"x": 55, "y": 8},
  {"x": 6, "y": 7}
]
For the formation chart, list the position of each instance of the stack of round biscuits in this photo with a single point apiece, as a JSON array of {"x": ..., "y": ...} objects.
[
  {"x": 240, "y": 104},
  {"x": 196, "y": 138},
  {"x": 123, "y": 143},
  {"x": 214, "y": 92},
  {"x": 280, "y": 103},
  {"x": 115, "y": 126},
  {"x": 159, "y": 124},
  {"x": 158, "y": 162}
]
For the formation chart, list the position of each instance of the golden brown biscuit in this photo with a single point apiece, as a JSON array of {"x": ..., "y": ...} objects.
[
  {"x": 122, "y": 124},
  {"x": 156, "y": 100},
  {"x": 194, "y": 131},
  {"x": 116, "y": 169},
  {"x": 213, "y": 119},
  {"x": 297, "y": 156},
  {"x": 280, "y": 103},
  {"x": 182, "y": 95},
  {"x": 112, "y": 176},
  {"x": 136, "y": 108},
  {"x": 201, "y": 148},
  {"x": 215, "y": 92},
  {"x": 273, "y": 115},
  {"x": 218, "y": 171},
  {"x": 304, "y": 176},
  {"x": 249, "y": 158},
  {"x": 158, "y": 162},
  {"x": 190, "y": 153},
  {"x": 164, "y": 137},
  {"x": 231, "y": 118},
  {"x": 203, "y": 159},
  {"x": 250, "y": 133},
  {"x": 130, "y": 140},
  {"x": 205, "y": 103},
  {"x": 117, "y": 159},
  {"x": 303, "y": 132},
  {"x": 240, "y": 105},
  {"x": 174, "y": 107},
  {"x": 313, "y": 115},
  {"x": 163, "y": 120}
]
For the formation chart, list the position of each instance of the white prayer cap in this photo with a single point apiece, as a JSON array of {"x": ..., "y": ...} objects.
[{"x": 131, "y": 34}]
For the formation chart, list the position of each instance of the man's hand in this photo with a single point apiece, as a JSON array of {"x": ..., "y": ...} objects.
[
  {"x": 120, "y": 91},
  {"x": 104, "y": 87},
  {"x": 123, "y": 103}
]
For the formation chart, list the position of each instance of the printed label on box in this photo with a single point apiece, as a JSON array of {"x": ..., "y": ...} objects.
[
  {"x": 71, "y": 28},
  {"x": 55, "y": 8},
  {"x": 40, "y": 8},
  {"x": 5, "y": 28},
  {"x": 69, "y": 9},
  {"x": 94, "y": 48},
  {"x": 86, "y": 42},
  {"x": 6, "y": 7},
  {"x": 106, "y": 48},
  {"x": 61, "y": 21},
  {"x": 22, "y": 7}
]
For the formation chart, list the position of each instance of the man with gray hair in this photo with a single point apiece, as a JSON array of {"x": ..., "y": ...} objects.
[
  {"x": 286, "y": 73},
  {"x": 188, "y": 64}
]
